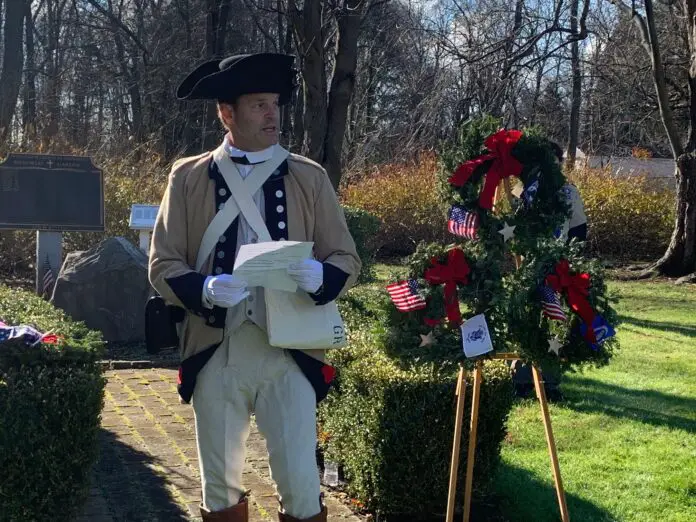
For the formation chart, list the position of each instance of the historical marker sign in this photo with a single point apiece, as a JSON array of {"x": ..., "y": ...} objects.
[
  {"x": 47, "y": 192},
  {"x": 142, "y": 218}
]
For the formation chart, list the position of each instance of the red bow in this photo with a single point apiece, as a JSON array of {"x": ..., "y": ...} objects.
[
  {"x": 504, "y": 165},
  {"x": 576, "y": 288},
  {"x": 456, "y": 271}
]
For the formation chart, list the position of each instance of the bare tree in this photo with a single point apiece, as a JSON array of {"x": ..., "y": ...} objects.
[
  {"x": 12, "y": 63},
  {"x": 680, "y": 257},
  {"x": 325, "y": 113},
  {"x": 576, "y": 100}
]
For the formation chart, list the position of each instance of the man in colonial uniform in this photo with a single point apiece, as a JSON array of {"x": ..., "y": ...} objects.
[{"x": 229, "y": 370}]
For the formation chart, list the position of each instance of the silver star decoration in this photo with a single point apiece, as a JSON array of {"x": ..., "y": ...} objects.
[
  {"x": 427, "y": 340},
  {"x": 507, "y": 231},
  {"x": 554, "y": 345}
]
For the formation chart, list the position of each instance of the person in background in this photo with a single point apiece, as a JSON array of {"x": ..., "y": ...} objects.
[{"x": 574, "y": 228}]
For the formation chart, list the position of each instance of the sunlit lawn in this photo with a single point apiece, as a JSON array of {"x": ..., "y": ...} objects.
[{"x": 626, "y": 433}]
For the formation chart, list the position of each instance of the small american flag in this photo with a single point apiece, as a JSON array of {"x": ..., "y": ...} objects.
[
  {"x": 26, "y": 333},
  {"x": 405, "y": 295},
  {"x": 551, "y": 304},
  {"x": 48, "y": 280},
  {"x": 462, "y": 222}
]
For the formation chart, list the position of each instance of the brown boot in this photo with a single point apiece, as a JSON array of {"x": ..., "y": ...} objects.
[
  {"x": 236, "y": 513},
  {"x": 319, "y": 517}
]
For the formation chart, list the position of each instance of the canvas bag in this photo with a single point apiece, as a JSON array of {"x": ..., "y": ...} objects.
[{"x": 293, "y": 319}]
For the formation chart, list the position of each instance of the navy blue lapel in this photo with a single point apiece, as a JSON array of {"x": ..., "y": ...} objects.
[{"x": 226, "y": 247}]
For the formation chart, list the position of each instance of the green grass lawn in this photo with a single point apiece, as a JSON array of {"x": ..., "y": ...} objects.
[{"x": 626, "y": 433}]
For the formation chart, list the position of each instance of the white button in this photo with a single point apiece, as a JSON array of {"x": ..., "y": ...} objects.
[
  {"x": 221, "y": 255},
  {"x": 280, "y": 208},
  {"x": 218, "y": 270},
  {"x": 222, "y": 192},
  {"x": 279, "y": 193},
  {"x": 222, "y": 239},
  {"x": 211, "y": 319},
  {"x": 221, "y": 206},
  {"x": 281, "y": 225}
]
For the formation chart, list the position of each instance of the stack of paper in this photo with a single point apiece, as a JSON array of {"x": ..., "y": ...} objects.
[{"x": 265, "y": 264}]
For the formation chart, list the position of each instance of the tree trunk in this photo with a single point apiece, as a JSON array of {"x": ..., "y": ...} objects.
[
  {"x": 54, "y": 76},
  {"x": 576, "y": 99},
  {"x": 12, "y": 63},
  {"x": 216, "y": 33},
  {"x": 342, "y": 84},
  {"x": 680, "y": 258},
  {"x": 308, "y": 30},
  {"x": 298, "y": 120},
  {"x": 502, "y": 91},
  {"x": 29, "y": 103},
  {"x": 285, "y": 46}
]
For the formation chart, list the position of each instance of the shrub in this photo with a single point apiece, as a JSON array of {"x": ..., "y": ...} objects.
[
  {"x": 363, "y": 227},
  {"x": 50, "y": 401},
  {"x": 404, "y": 197},
  {"x": 390, "y": 426},
  {"x": 629, "y": 217}
]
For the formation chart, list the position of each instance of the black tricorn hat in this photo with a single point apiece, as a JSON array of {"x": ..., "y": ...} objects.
[{"x": 227, "y": 79}]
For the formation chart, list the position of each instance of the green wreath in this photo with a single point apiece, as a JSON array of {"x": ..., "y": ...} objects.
[{"x": 552, "y": 309}]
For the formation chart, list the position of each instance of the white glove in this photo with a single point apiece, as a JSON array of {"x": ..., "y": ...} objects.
[
  {"x": 224, "y": 290},
  {"x": 308, "y": 274}
]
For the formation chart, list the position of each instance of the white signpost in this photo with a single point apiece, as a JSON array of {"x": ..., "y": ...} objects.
[{"x": 142, "y": 219}]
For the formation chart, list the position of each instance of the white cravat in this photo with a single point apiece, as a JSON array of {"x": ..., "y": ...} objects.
[{"x": 253, "y": 157}]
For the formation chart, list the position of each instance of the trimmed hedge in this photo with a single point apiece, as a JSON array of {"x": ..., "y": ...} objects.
[
  {"x": 50, "y": 403},
  {"x": 389, "y": 424}
]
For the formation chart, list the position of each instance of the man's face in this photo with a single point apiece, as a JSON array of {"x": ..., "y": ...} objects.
[{"x": 253, "y": 121}]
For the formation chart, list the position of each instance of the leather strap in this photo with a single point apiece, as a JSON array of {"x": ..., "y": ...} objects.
[{"x": 224, "y": 218}]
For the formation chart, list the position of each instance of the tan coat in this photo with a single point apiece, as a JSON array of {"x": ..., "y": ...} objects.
[{"x": 188, "y": 206}]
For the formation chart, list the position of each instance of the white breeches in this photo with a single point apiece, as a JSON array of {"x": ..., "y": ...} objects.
[{"x": 246, "y": 375}]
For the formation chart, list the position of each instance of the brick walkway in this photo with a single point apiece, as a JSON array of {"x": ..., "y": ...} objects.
[{"x": 148, "y": 467}]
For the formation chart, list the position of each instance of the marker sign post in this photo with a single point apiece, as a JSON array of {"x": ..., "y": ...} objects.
[
  {"x": 142, "y": 219},
  {"x": 50, "y": 194}
]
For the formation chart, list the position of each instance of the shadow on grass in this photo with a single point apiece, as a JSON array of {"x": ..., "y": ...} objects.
[
  {"x": 522, "y": 497},
  {"x": 679, "y": 328},
  {"x": 519, "y": 496},
  {"x": 130, "y": 486},
  {"x": 648, "y": 406}
]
